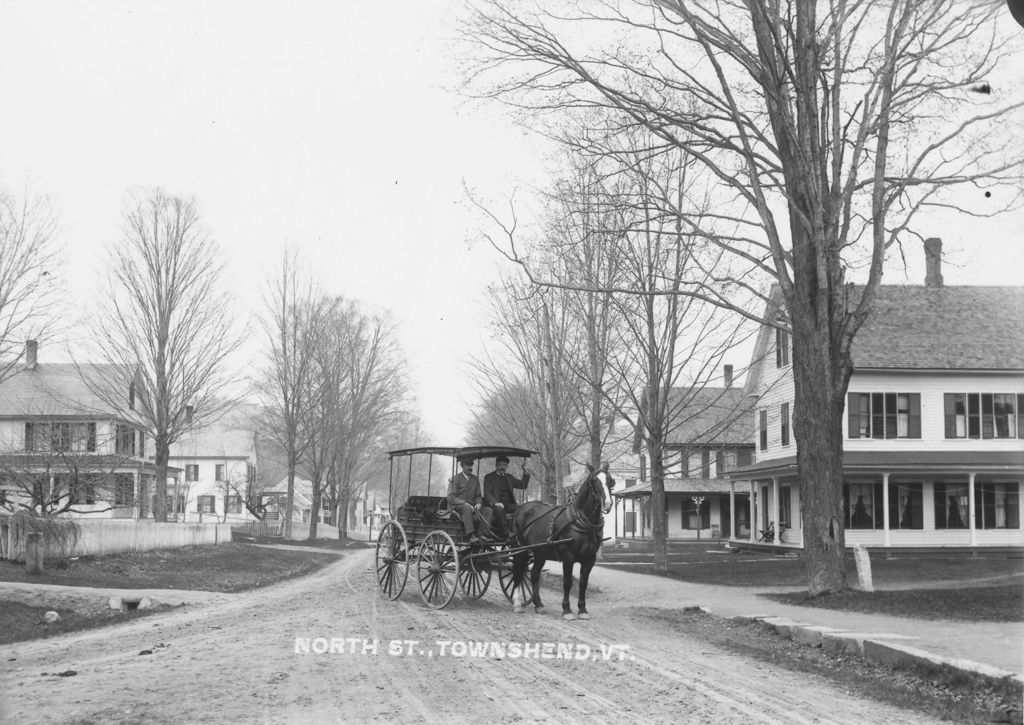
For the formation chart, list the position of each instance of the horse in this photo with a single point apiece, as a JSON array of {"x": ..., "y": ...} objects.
[{"x": 581, "y": 522}]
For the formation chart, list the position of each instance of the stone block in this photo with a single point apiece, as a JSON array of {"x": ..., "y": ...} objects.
[
  {"x": 853, "y": 642},
  {"x": 782, "y": 625},
  {"x": 812, "y": 635},
  {"x": 894, "y": 654}
]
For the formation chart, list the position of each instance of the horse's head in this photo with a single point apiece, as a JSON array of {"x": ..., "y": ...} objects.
[{"x": 599, "y": 483}]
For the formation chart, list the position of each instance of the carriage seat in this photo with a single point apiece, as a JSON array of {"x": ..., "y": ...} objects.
[{"x": 430, "y": 509}]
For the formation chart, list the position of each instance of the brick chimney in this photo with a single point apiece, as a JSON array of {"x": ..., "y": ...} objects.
[
  {"x": 31, "y": 349},
  {"x": 728, "y": 376},
  {"x": 933, "y": 262}
]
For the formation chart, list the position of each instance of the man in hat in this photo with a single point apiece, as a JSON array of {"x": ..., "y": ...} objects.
[
  {"x": 499, "y": 496},
  {"x": 464, "y": 498}
]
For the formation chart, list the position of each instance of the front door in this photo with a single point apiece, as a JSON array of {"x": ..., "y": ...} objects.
[{"x": 726, "y": 518}]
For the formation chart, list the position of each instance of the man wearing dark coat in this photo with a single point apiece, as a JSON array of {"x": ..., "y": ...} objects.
[
  {"x": 464, "y": 498},
  {"x": 499, "y": 496}
]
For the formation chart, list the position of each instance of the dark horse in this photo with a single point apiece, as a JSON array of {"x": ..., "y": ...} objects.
[{"x": 580, "y": 522}]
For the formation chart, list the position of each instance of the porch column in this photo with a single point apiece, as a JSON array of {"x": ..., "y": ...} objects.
[
  {"x": 886, "y": 541},
  {"x": 732, "y": 509},
  {"x": 971, "y": 512},
  {"x": 775, "y": 510},
  {"x": 753, "y": 512}
]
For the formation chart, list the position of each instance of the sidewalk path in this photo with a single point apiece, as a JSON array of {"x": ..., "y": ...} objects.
[{"x": 996, "y": 644}]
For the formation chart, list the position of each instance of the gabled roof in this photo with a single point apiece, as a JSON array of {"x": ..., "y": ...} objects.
[
  {"x": 229, "y": 437},
  {"x": 54, "y": 389},
  {"x": 913, "y": 327},
  {"x": 679, "y": 485},
  {"x": 711, "y": 416},
  {"x": 943, "y": 328}
]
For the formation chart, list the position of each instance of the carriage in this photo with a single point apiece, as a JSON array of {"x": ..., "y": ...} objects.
[{"x": 427, "y": 537}]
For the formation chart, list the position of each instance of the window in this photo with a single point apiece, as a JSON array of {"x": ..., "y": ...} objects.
[
  {"x": 630, "y": 482},
  {"x": 884, "y": 415},
  {"x": 785, "y": 506},
  {"x": 124, "y": 440},
  {"x": 206, "y": 504},
  {"x": 694, "y": 519},
  {"x": 142, "y": 444},
  {"x": 30, "y": 436},
  {"x": 983, "y": 415},
  {"x": 906, "y": 510},
  {"x": 781, "y": 348},
  {"x": 725, "y": 460},
  {"x": 997, "y": 505},
  {"x": 744, "y": 457},
  {"x": 250, "y": 473},
  {"x": 175, "y": 503},
  {"x": 233, "y": 504},
  {"x": 785, "y": 424},
  {"x": 60, "y": 436},
  {"x": 763, "y": 427},
  {"x": 705, "y": 463},
  {"x": 862, "y": 505},
  {"x": 124, "y": 489},
  {"x": 951, "y": 506},
  {"x": 191, "y": 471},
  {"x": 84, "y": 437},
  {"x": 219, "y": 472}
]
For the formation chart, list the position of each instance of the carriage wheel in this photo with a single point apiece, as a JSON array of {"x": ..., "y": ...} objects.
[
  {"x": 505, "y": 577},
  {"x": 392, "y": 560},
  {"x": 437, "y": 567},
  {"x": 475, "y": 577}
]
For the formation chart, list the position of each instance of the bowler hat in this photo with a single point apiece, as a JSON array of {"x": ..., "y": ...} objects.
[{"x": 501, "y": 459}]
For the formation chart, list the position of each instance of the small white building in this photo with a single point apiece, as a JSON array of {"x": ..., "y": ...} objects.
[{"x": 216, "y": 474}]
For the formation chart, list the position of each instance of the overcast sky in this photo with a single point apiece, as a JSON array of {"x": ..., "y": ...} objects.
[{"x": 327, "y": 125}]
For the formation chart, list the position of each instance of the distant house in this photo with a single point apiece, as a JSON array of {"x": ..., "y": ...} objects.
[
  {"x": 63, "y": 450},
  {"x": 216, "y": 471},
  {"x": 713, "y": 437},
  {"x": 275, "y": 499},
  {"x": 932, "y": 435}
]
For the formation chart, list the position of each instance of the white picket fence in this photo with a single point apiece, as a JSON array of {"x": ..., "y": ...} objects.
[{"x": 112, "y": 536}]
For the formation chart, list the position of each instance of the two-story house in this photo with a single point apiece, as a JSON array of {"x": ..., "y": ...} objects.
[
  {"x": 713, "y": 436},
  {"x": 218, "y": 471},
  {"x": 63, "y": 450},
  {"x": 933, "y": 434}
]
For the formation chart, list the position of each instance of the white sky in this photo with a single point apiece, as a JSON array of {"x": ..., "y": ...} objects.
[{"x": 331, "y": 126}]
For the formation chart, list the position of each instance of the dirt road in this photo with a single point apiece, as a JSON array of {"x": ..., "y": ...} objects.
[{"x": 259, "y": 658}]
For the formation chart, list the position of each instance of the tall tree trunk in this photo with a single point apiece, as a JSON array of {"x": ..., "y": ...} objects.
[
  {"x": 289, "y": 501},
  {"x": 163, "y": 454},
  {"x": 314, "y": 512},
  {"x": 659, "y": 516},
  {"x": 820, "y": 389},
  {"x": 554, "y": 433}
]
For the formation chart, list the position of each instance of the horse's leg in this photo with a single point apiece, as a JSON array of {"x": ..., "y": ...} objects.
[
  {"x": 566, "y": 588},
  {"x": 519, "y": 562},
  {"x": 585, "y": 567},
  {"x": 538, "y": 566}
]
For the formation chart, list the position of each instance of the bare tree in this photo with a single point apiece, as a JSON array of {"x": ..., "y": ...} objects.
[
  {"x": 29, "y": 291},
  {"x": 164, "y": 328},
  {"x": 295, "y": 309},
  {"x": 825, "y": 129},
  {"x": 371, "y": 396}
]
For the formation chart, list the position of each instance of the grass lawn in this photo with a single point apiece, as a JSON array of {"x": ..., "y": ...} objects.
[
  {"x": 234, "y": 567},
  {"x": 973, "y": 604},
  {"x": 963, "y": 589},
  {"x": 231, "y": 567}
]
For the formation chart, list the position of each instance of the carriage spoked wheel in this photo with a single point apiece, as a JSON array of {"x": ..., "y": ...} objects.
[
  {"x": 505, "y": 577},
  {"x": 392, "y": 560},
  {"x": 437, "y": 567},
  {"x": 475, "y": 576}
]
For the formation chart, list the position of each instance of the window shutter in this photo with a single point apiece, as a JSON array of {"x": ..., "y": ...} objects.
[
  {"x": 30, "y": 436},
  {"x": 878, "y": 507},
  {"x": 915, "y": 416}
]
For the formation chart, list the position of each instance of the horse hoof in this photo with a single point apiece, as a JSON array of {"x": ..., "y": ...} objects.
[
  {"x": 568, "y": 616},
  {"x": 539, "y": 610},
  {"x": 518, "y": 610},
  {"x": 583, "y": 615}
]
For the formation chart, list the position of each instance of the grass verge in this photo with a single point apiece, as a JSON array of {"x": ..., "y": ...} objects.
[
  {"x": 972, "y": 604},
  {"x": 943, "y": 692},
  {"x": 20, "y": 622}
]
